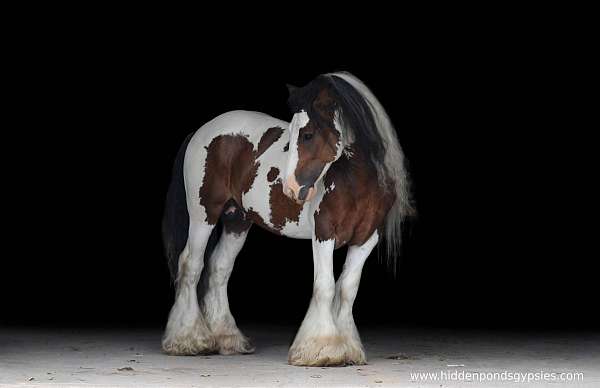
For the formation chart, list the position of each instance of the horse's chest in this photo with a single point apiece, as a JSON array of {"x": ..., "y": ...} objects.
[{"x": 266, "y": 205}]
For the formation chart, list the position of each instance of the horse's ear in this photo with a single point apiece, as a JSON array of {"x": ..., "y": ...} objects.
[{"x": 291, "y": 88}]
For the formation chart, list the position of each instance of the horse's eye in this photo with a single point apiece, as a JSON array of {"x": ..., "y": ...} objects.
[{"x": 307, "y": 136}]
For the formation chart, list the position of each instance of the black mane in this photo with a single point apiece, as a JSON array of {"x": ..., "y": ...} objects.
[{"x": 355, "y": 114}]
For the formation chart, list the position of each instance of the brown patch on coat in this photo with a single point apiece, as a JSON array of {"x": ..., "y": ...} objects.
[
  {"x": 273, "y": 174},
  {"x": 230, "y": 170},
  {"x": 270, "y": 136},
  {"x": 356, "y": 207},
  {"x": 283, "y": 209},
  {"x": 254, "y": 217}
]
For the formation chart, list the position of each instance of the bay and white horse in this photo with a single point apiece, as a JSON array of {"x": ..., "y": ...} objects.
[{"x": 335, "y": 175}]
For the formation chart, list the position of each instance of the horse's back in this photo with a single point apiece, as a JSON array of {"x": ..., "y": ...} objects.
[{"x": 247, "y": 123}]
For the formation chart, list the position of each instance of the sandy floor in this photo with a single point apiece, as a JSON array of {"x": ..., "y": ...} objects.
[{"x": 116, "y": 358}]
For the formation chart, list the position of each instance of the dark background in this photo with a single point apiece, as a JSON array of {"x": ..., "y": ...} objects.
[{"x": 98, "y": 122}]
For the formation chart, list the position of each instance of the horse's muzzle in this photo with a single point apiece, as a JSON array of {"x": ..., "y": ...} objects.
[{"x": 297, "y": 193}]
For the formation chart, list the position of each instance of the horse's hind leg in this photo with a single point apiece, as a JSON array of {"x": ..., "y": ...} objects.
[
  {"x": 215, "y": 304},
  {"x": 187, "y": 332},
  {"x": 346, "y": 289}
]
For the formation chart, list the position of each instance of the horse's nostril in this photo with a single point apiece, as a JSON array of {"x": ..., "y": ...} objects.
[{"x": 303, "y": 193}]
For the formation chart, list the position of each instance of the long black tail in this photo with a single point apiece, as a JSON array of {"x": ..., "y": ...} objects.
[{"x": 176, "y": 220}]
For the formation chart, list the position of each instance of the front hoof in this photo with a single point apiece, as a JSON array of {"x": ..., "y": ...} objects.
[
  {"x": 234, "y": 344},
  {"x": 355, "y": 355},
  {"x": 319, "y": 351},
  {"x": 189, "y": 345}
]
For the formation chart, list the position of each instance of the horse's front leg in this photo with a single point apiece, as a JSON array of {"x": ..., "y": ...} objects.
[
  {"x": 346, "y": 289},
  {"x": 318, "y": 342}
]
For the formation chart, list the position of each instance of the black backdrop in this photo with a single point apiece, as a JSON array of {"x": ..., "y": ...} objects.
[{"x": 98, "y": 125}]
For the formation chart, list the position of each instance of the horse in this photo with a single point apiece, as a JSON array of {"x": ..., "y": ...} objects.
[{"x": 335, "y": 175}]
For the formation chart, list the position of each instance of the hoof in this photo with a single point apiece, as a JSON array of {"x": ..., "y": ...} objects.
[
  {"x": 189, "y": 344},
  {"x": 234, "y": 344},
  {"x": 319, "y": 351},
  {"x": 327, "y": 351},
  {"x": 355, "y": 354}
]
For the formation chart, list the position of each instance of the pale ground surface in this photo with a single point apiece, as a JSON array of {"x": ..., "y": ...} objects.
[{"x": 91, "y": 358}]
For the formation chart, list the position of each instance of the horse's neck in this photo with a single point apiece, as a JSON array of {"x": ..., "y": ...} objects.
[{"x": 353, "y": 167}]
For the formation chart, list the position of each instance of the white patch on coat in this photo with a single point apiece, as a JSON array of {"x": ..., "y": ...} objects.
[
  {"x": 300, "y": 120},
  {"x": 257, "y": 198}
]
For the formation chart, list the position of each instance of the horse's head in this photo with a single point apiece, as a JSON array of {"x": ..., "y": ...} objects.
[{"x": 315, "y": 137}]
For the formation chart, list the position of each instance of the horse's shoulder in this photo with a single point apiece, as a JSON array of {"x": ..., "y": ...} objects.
[{"x": 354, "y": 204}]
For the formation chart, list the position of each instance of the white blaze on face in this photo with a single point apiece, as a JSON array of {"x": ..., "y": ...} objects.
[{"x": 300, "y": 120}]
